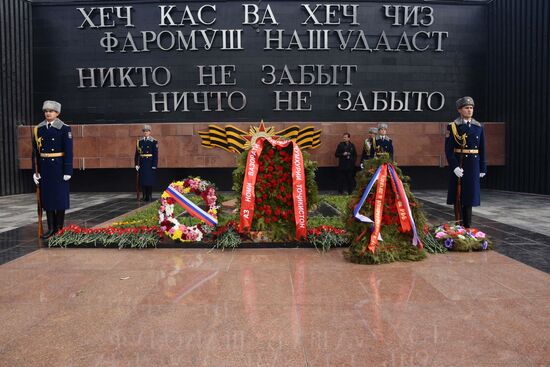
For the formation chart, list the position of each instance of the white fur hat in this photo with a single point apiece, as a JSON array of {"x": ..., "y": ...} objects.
[
  {"x": 52, "y": 105},
  {"x": 146, "y": 128}
]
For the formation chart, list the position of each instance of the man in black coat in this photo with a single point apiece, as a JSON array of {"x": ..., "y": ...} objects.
[
  {"x": 465, "y": 151},
  {"x": 347, "y": 155}
]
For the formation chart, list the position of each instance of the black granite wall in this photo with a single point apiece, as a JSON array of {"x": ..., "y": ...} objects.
[{"x": 69, "y": 36}]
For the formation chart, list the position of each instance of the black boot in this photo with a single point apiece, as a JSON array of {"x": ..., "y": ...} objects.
[
  {"x": 149, "y": 193},
  {"x": 466, "y": 216},
  {"x": 50, "y": 216},
  {"x": 59, "y": 219}
]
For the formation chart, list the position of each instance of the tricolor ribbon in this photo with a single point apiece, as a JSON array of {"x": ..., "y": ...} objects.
[
  {"x": 356, "y": 214},
  {"x": 298, "y": 186},
  {"x": 401, "y": 202},
  {"x": 190, "y": 207}
]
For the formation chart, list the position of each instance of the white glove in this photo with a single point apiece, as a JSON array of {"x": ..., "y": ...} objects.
[
  {"x": 36, "y": 177},
  {"x": 362, "y": 166},
  {"x": 137, "y": 168},
  {"x": 66, "y": 177},
  {"x": 481, "y": 174},
  {"x": 459, "y": 172},
  {"x": 154, "y": 167}
]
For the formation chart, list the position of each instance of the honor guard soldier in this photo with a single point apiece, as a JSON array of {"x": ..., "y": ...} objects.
[
  {"x": 53, "y": 151},
  {"x": 369, "y": 147},
  {"x": 383, "y": 141},
  {"x": 146, "y": 159},
  {"x": 346, "y": 154},
  {"x": 465, "y": 151}
]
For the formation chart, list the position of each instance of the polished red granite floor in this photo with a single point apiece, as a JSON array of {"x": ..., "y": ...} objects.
[{"x": 284, "y": 307}]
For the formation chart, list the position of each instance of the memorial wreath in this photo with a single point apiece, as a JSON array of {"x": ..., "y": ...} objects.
[{"x": 168, "y": 213}]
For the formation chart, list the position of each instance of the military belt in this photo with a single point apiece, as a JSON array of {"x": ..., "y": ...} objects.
[
  {"x": 146, "y": 155},
  {"x": 467, "y": 151},
  {"x": 52, "y": 155}
]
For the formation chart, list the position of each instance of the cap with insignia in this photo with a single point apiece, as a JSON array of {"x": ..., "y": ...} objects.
[
  {"x": 146, "y": 128},
  {"x": 373, "y": 130},
  {"x": 51, "y": 105},
  {"x": 382, "y": 126},
  {"x": 465, "y": 101}
]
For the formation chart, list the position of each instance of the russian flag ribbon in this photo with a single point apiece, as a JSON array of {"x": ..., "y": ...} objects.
[
  {"x": 356, "y": 214},
  {"x": 191, "y": 207},
  {"x": 402, "y": 204}
]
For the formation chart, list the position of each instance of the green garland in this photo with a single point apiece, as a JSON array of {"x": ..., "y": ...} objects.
[{"x": 396, "y": 246}]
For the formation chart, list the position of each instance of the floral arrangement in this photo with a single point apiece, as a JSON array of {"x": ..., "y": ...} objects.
[
  {"x": 168, "y": 219},
  {"x": 458, "y": 238},
  {"x": 396, "y": 243},
  {"x": 324, "y": 237},
  {"x": 274, "y": 210},
  {"x": 136, "y": 237},
  {"x": 228, "y": 236}
]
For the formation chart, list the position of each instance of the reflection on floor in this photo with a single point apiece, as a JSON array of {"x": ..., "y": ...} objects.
[{"x": 270, "y": 307}]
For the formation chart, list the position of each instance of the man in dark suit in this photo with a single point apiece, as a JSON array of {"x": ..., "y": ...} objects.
[
  {"x": 465, "y": 151},
  {"x": 146, "y": 159},
  {"x": 346, "y": 154},
  {"x": 53, "y": 148}
]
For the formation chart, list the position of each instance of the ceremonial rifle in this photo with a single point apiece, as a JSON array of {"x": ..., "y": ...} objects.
[
  {"x": 36, "y": 172},
  {"x": 137, "y": 185},
  {"x": 138, "y": 188},
  {"x": 458, "y": 195}
]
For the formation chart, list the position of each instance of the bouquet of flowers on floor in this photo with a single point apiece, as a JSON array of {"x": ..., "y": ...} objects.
[
  {"x": 136, "y": 237},
  {"x": 457, "y": 238},
  {"x": 324, "y": 237}
]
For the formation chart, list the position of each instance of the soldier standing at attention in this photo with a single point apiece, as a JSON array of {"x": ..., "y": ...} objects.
[
  {"x": 53, "y": 148},
  {"x": 369, "y": 147},
  {"x": 383, "y": 142},
  {"x": 346, "y": 154},
  {"x": 465, "y": 151},
  {"x": 146, "y": 159}
]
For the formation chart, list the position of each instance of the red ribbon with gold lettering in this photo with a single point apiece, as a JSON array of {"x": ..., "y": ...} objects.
[
  {"x": 248, "y": 195},
  {"x": 298, "y": 186},
  {"x": 378, "y": 207}
]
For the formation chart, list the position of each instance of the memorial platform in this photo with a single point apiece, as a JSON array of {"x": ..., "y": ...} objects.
[{"x": 276, "y": 307}]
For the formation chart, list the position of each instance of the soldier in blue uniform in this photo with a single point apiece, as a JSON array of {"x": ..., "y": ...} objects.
[
  {"x": 53, "y": 147},
  {"x": 383, "y": 141},
  {"x": 465, "y": 151},
  {"x": 369, "y": 147},
  {"x": 146, "y": 159}
]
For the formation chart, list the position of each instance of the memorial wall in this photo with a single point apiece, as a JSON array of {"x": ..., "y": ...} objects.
[
  {"x": 238, "y": 61},
  {"x": 180, "y": 66}
]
